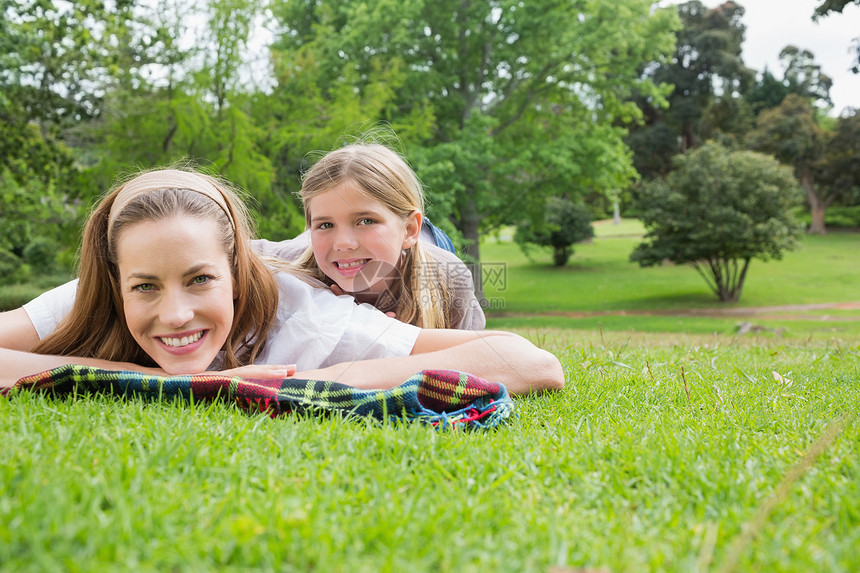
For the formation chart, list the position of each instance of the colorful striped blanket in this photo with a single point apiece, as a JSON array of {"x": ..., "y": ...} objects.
[{"x": 443, "y": 398}]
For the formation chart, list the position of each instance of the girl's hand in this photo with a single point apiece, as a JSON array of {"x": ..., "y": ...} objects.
[{"x": 262, "y": 371}]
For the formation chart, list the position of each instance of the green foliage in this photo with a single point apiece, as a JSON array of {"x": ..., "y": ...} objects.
[
  {"x": 41, "y": 253},
  {"x": 32, "y": 210},
  {"x": 803, "y": 76},
  {"x": 839, "y": 167},
  {"x": 564, "y": 224},
  {"x": 707, "y": 61},
  {"x": 829, "y": 6},
  {"x": 499, "y": 104},
  {"x": 767, "y": 93},
  {"x": 717, "y": 211},
  {"x": 790, "y": 132},
  {"x": 10, "y": 265}
]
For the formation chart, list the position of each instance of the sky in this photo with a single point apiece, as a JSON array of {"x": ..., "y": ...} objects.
[{"x": 774, "y": 24}]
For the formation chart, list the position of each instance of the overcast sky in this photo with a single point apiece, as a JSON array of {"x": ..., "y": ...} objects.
[{"x": 774, "y": 24}]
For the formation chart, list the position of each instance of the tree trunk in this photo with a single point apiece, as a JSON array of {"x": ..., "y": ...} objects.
[
  {"x": 469, "y": 227},
  {"x": 616, "y": 213},
  {"x": 560, "y": 255},
  {"x": 817, "y": 206}
]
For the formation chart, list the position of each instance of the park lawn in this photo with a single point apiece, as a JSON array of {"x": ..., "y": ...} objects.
[
  {"x": 600, "y": 278},
  {"x": 664, "y": 452}
]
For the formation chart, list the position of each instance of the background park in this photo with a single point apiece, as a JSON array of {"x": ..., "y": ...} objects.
[{"x": 679, "y": 229}]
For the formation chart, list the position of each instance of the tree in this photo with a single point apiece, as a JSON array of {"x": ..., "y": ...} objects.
[
  {"x": 803, "y": 76},
  {"x": 503, "y": 102},
  {"x": 791, "y": 133},
  {"x": 709, "y": 80},
  {"x": 565, "y": 223},
  {"x": 717, "y": 211},
  {"x": 839, "y": 167},
  {"x": 828, "y": 7},
  {"x": 768, "y": 92}
]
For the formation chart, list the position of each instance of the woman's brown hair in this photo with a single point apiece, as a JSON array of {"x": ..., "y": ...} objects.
[{"x": 96, "y": 325}]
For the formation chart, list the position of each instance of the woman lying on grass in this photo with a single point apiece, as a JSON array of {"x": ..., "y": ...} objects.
[{"x": 169, "y": 285}]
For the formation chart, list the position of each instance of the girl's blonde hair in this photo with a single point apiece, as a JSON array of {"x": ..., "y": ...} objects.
[
  {"x": 96, "y": 325},
  {"x": 422, "y": 292}
]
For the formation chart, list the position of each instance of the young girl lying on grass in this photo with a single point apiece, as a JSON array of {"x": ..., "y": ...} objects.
[
  {"x": 364, "y": 214},
  {"x": 170, "y": 285}
]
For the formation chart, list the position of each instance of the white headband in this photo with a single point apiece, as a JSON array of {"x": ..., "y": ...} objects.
[{"x": 165, "y": 179}]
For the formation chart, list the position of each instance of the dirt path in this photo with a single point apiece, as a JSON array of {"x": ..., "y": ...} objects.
[{"x": 780, "y": 312}]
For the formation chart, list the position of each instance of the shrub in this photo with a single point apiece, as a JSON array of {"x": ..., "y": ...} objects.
[
  {"x": 716, "y": 212},
  {"x": 41, "y": 253},
  {"x": 565, "y": 223},
  {"x": 9, "y": 266}
]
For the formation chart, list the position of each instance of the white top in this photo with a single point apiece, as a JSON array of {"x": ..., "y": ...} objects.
[
  {"x": 313, "y": 329},
  {"x": 49, "y": 308}
]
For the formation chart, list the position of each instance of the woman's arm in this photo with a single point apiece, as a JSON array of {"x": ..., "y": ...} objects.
[
  {"x": 495, "y": 356},
  {"x": 17, "y": 331},
  {"x": 17, "y": 365}
]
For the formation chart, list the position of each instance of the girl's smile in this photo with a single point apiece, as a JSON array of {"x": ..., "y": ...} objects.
[{"x": 357, "y": 240}]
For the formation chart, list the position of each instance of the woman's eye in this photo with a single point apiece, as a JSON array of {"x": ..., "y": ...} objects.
[
  {"x": 201, "y": 280},
  {"x": 146, "y": 287}
]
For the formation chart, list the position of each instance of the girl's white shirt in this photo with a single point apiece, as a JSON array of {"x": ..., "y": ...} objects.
[{"x": 313, "y": 328}]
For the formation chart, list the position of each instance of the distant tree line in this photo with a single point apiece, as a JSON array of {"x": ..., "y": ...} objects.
[{"x": 500, "y": 106}]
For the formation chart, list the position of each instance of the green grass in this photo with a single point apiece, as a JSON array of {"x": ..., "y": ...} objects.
[
  {"x": 673, "y": 447},
  {"x": 600, "y": 279},
  {"x": 657, "y": 456}
]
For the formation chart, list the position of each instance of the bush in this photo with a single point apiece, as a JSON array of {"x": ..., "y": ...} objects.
[
  {"x": 14, "y": 296},
  {"x": 835, "y": 217},
  {"x": 716, "y": 212},
  {"x": 9, "y": 266},
  {"x": 41, "y": 253},
  {"x": 565, "y": 223}
]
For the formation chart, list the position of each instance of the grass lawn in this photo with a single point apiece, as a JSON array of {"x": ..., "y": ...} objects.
[
  {"x": 663, "y": 453},
  {"x": 600, "y": 280},
  {"x": 666, "y": 451}
]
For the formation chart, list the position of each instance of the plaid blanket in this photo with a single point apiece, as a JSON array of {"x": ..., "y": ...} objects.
[{"x": 444, "y": 398}]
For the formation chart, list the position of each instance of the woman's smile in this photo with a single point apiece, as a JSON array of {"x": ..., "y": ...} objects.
[{"x": 177, "y": 291}]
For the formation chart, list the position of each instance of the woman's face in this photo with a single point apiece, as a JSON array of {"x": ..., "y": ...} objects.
[
  {"x": 357, "y": 240},
  {"x": 177, "y": 291}
]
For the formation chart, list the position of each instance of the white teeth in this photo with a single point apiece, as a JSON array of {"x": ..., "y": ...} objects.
[
  {"x": 351, "y": 265},
  {"x": 184, "y": 341}
]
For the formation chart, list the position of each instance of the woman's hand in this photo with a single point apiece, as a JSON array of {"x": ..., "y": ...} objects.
[{"x": 261, "y": 371}]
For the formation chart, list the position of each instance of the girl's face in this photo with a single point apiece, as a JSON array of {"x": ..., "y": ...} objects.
[
  {"x": 177, "y": 291},
  {"x": 357, "y": 240}
]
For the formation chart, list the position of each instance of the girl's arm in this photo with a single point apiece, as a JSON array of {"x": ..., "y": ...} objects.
[{"x": 495, "y": 356}]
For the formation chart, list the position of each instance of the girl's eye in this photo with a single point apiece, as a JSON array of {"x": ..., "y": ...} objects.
[
  {"x": 325, "y": 226},
  {"x": 367, "y": 221}
]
